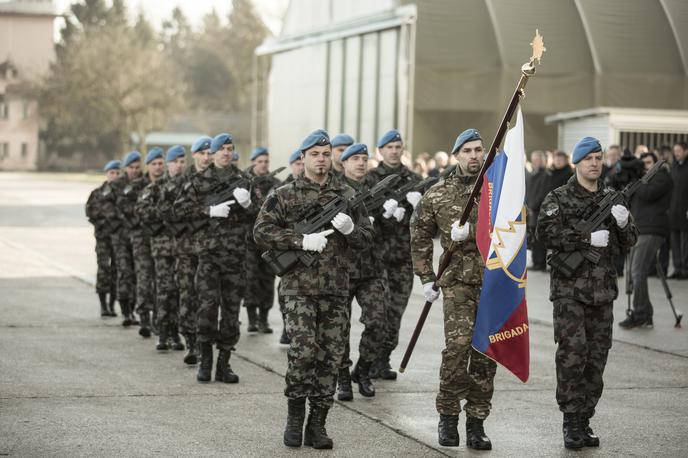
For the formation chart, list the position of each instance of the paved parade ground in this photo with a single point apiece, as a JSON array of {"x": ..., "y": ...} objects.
[{"x": 75, "y": 384}]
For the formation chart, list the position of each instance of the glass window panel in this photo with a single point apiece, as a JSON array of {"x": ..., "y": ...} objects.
[
  {"x": 388, "y": 80},
  {"x": 334, "y": 100},
  {"x": 368, "y": 89},
  {"x": 352, "y": 84}
]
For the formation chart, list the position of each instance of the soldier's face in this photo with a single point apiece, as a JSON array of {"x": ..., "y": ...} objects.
[
  {"x": 111, "y": 175},
  {"x": 134, "y": 170},
  {"x": 202, "y": 159},
  {"x": 175, "y": 167},
  {"x": 317, "y": 161},
  {"x": 296, "y": 167},
  {"x": 356, "y": 166},
  {"x": 223, "y": 156},
  {"x": 471, "y": 156},
  {"x": 391, "y": 153},
  {"x": 337, "y": 153},
  {"x": 156, "y": 167},
  {"x": 261, "y": 165},
  {"x": 590, "y": 167}
]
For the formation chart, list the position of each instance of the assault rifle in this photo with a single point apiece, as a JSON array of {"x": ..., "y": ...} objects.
[
  {"x": 315, "y": 220},
  {"x": 376, "y": 202},
  {"x": 567, "y": 263}
]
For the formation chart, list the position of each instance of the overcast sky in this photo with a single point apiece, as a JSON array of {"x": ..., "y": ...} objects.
[{"x": 157, "y": 10}]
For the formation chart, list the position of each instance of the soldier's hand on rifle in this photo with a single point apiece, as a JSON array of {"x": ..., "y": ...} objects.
[
  {"x": 620, "y": 214},
  {"x": 343, "y": 223},
  {"x": 430, "y": 293},
  {"x": 399, "y": 213},
  {"x": 390, "y": 207},
  {"x": 372, "y": 219},
  {"x": 242, "y": 196},
  {"x": 317, "y": 241},
  {"x": 413, "y": 198},
  {"x": 220, "y": 210},
  {"x": 459, "y": 233},
  {"x": 600, "y": 239}
]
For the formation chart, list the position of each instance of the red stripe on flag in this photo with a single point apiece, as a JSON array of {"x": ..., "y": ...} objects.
[{"x": 510, "y": 345}]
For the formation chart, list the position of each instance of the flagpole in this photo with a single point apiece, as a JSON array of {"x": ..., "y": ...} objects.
[{"x": 527, "y": 70}]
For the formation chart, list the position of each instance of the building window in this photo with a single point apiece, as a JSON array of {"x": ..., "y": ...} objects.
[
  {"x": 4, "y": 107},
  {"x": 4, "y": 150},
  {"x": 25, "y": 110},
  {"x": 24, "y": 150}
]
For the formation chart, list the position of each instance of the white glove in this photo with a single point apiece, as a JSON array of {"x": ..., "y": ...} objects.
[
  {"x": 242, "y": 196},
  {"x": 459, "y": 233},
  {"x": 390, "y": 206},
  {"x": 413, "y": 197},
  {"x": 599, "y": 239},
  {"x": 620, "y": 214},
  {"x": 399, "y": 213},
  {"x": 343, "y": 223},
  {"x": 316, "y": 242},
  {"x": 372, "y": 220},
  {"x": 430, "y": 293},
  {"x": 220, "y": 210}
]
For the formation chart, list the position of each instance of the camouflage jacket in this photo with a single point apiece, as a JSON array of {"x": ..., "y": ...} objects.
[
  {"x": 260, "y": 189},
  {"x": 441, "y": 205},
  {"x": 96, "y": 206},
  {"x": 186, "y": 241},
  {"x": 396, "y": 234},
  {"x": 125, "y": 200},
  {"x": 149, "y": 208},
  {"x": 562, "y": 209},
  {"x": 213, "y": 234},
  {"x": 367, "y": 263},
  {"x": 329, "y": 274}
]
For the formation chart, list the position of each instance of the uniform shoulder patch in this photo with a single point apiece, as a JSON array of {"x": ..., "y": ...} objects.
[{"x": 551, "y": 208}]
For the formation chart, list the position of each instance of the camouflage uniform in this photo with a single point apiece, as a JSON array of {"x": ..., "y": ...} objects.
[
  {"x": 316, "y": 297},
  {"x": 221, "y": 252},
  {"x": 397, "y": 255},
  {"x": 162, "y": 246},
  {"x": 582, "y": 305},
  {"x": 106, "y": 277},
  {"x": 465, "y": 373}
]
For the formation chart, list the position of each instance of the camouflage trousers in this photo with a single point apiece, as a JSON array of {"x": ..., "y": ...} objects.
[
  {"x": 371, "y": 295},
  {"x": 464, "y": 373},
  {"x": 166, "y": 290},
  {"x": 218, "y": 282},
  {"x": 316, "y": 326},
  {"x": 187, "y": 264},
  {"x": 126, "y": 277},
  {"x": 260, "y": 281},
  {"x": 145, "y": 273},
  {"x": 106, "y": 276},
  {"x": 583, "y": 334},
  {"x": 401, "y": 276}
]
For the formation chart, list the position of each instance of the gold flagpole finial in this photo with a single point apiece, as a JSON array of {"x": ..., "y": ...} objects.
[{"x": 538, "y": 46}]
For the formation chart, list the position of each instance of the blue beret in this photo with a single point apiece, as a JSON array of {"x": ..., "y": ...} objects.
[
  {"x": 131, "y": 158},
  {"x": 317, "y": 137},
  {"x": 201, "y": 144},
  {"x": 174, "y": 152},
  {"x": 584, "y": 147},
  {"x": 391, "y": 136},
  {"x": 342, "y": 140},
  {"x": 295, "y": 156},
  {"x": 466, "y": 136},
  {"x": 356, "y": 148},
  {"x": 259, "y": 152},
  {"x": 154, "y": 154},
  {"x": 235, "y": 155},
  {"x": 218, "y": 141},
  {"x": 112, "y": 165}
]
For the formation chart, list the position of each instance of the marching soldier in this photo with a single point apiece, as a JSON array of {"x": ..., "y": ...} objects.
[
  {"x": 465, "y": 373},
  {"x": 222, "y": 249},
  {"x": 394, "y": 224},
  {"x": 260, "y": 281},
  {"x": 106, "y": 277},
  {"x": 339, "y": 144},
  {"x": 583, "y": 304},
  {"x": 316, "y": 296},
  {"x": 367, "y": 284}
]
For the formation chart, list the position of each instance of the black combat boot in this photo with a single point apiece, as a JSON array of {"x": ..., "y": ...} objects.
[
  {"x": 223, "y": 371},
  {"x": 103, "y": 304},
  {"x": 263, "y": 325},
  {"x": 191, "y": 355},
  {"x": 144, "y": 330},
  {"x": 589, "y": 437},
  {"x": 448, "y": 430},
  {"x": 284, "y": 338},
  {"x": 206, "y": 366},
  {"x": 252, "y": 319},
  {"x": 111, "y": 305},
  {"x": 162, "y": 339},
  {"x": 296, "y": 413},
  {"x": 573, "y": 438},
  {"x": 316, "y": 435},
  {"x": 177, "y": 344},
  {"x": 126, "y": 311},
  {"x": 475, "y": 435},
  {"x": 344, "y": 391},
  {"x": 132, "y": 317},
  {"x": 386, "y": 372},
  {"x": 361, "y": 376}
]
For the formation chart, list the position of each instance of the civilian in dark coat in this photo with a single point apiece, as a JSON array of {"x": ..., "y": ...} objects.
[
  {"x": 536, "y": 190},
  {"x": 678, "y": 212}
]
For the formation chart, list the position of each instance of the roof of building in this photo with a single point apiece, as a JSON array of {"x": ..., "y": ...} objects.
[{"x": 28, "y": 7}]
